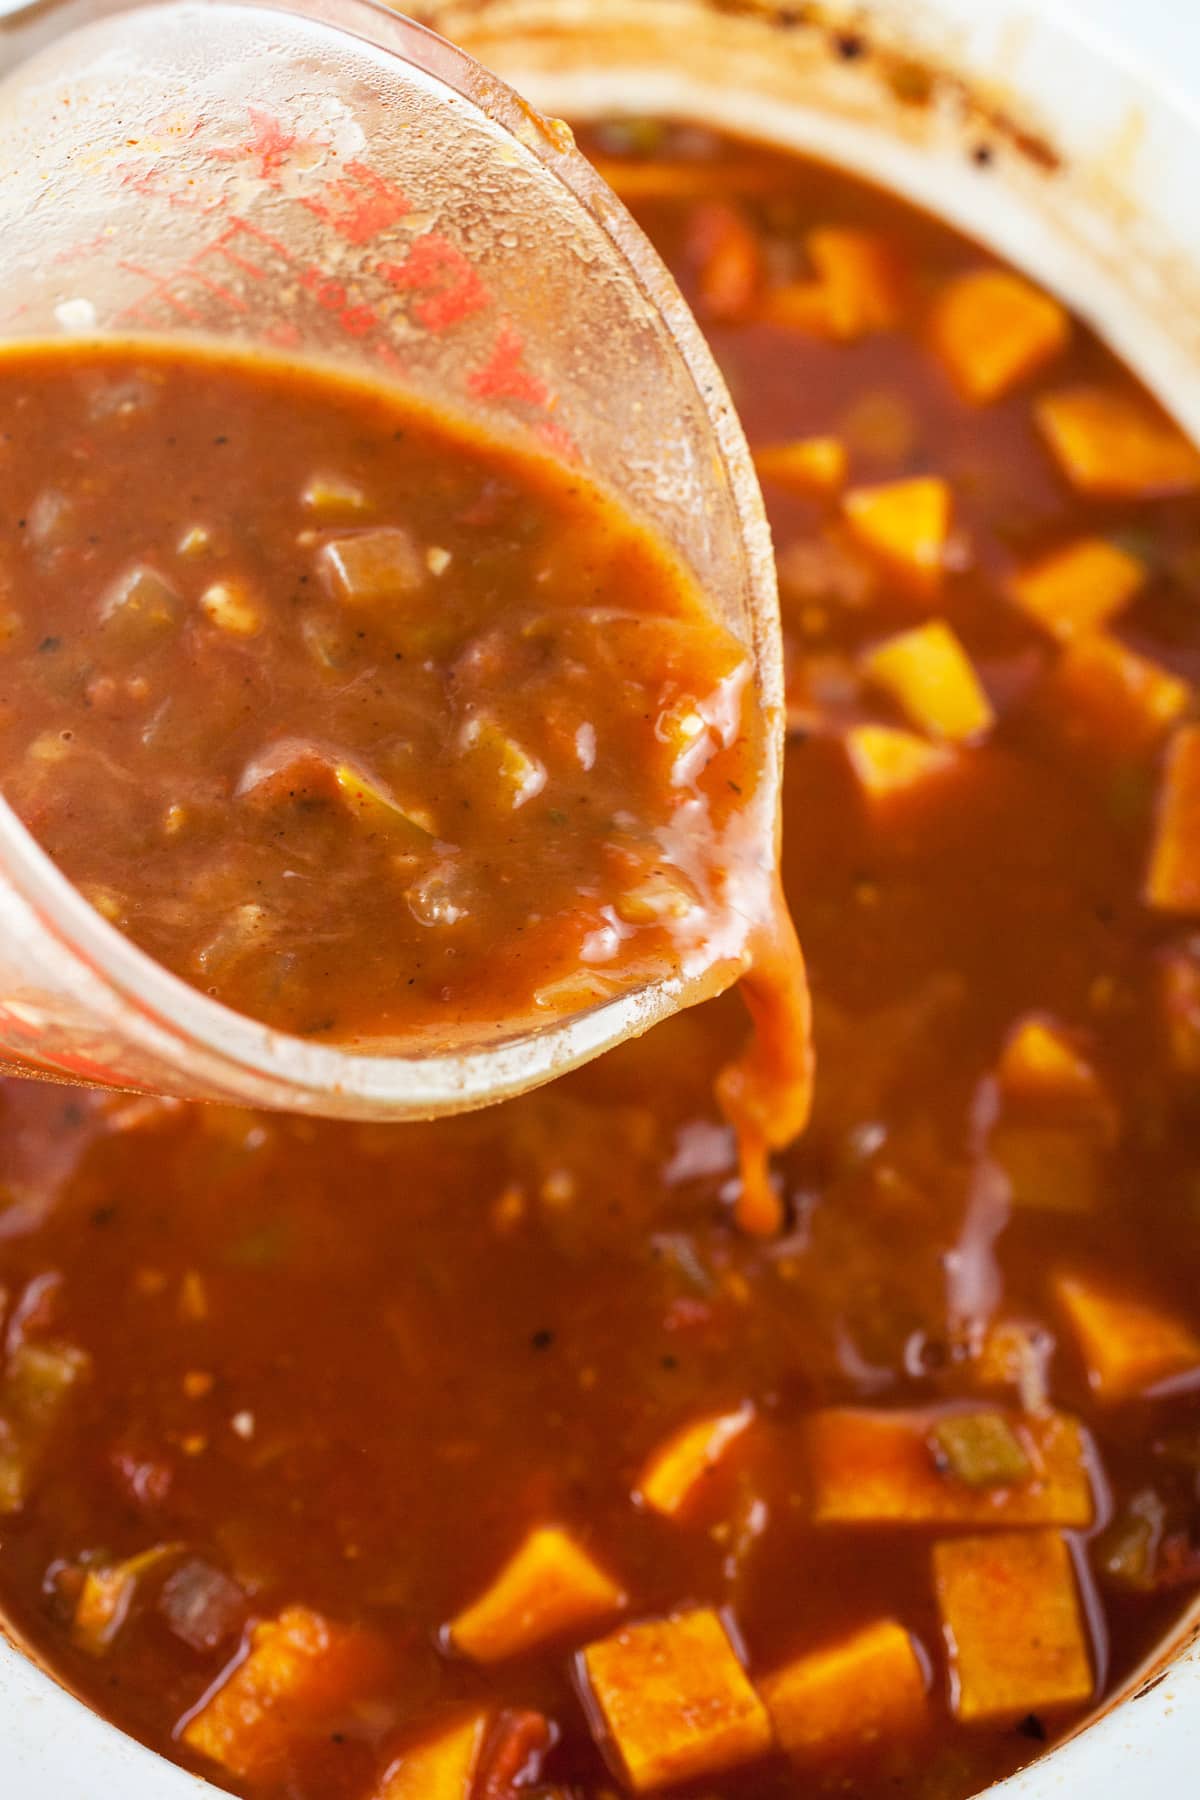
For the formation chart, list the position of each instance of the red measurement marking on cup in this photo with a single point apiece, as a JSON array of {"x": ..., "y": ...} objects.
[
  {"x": 447, "y": 288},
  {"x": 504, "y": 375},
  {"x": 240, "y": 246},
  {"x": 269, "y": 145},
  {"x": 359, "y": 206}
]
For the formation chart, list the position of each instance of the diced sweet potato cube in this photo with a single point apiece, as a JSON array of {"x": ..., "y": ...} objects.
[
  {"x": 866, "y": 1689},
  {"x": 678, "y": 1468},
  {"x": 728, "y": 253},
  {"x": 39, "y": 1379},
  {"x": 992, "y": 329},
  {"x": 1049, "y": 1168},
  {"x": 905, "y": 524},
  {"x": 1079, "y": 587},
  {"x": 798, "y": 306},
  {"x": 1173, "y": 880},
  {"x": 862, "y": 278},
  {"x": 1179, "y": 981},
  {"x": 108, "y": 1593},
  {"x": 877, "y": 1468},
  {"x": 1107, "y": 695},
  {"x": 302, "y": 1675},
  {"x": 1128, "y": 1345},
  {"x": 674, "y": 1701},
  {"x": 549, "y": 1588},
  {"x": 441, "y": 1767},
  {"x": 814, "y": 465},
  {"x": 929, "y": 675},
  {"x": 1040, "y": 1062},
  {"x": 1013, "y": 1624},
  {"x": 1114, "y": 445},
  {"x": 888, "y": 761}
]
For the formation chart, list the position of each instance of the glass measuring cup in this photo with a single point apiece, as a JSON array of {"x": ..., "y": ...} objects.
[{"x": 330, "y": 179}]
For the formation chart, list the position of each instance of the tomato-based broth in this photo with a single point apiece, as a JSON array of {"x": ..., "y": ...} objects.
[
  {"x": 497, "y": 1457},
  {"x": 367, "y": 727}
]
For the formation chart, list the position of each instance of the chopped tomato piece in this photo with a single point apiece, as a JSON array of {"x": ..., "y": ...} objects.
[
  {"x": 865, "y": 1689},
  {"x": 1173, "y": 880},
  {"x": 728, "y": 254},
  {"x": 1013, "y": 1624},
  {"x": 1113, "y": 700},
  {"x": 992, "y": 329},
  {"x": 1128, "y": 1345},
  {"x": 929, "y": 675},
  {"x": 889, "y": 762},
  {"x": 871, "y": 1468},
  {"x": 675, "y": 1701},
  {"x": 1079, "y": 587},
  {"x": 441, "y": 1767},
  {"x": 814, "y": 465},
  {"x": 303, "y": 1674},
  {"x": 677, "y": 1470},
  {"x": 549, "y": 1588},
  {"x": 905, "y": 524},
  {"x": 1114, "y": 445}
]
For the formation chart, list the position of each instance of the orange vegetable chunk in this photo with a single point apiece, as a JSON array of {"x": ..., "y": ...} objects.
[
  {"x": 726, "y": 249},
  {"x": 905, "y": 524},
  {"x": 1039, "y": 1062},
  {"x": 302, "y": 1675},
  {"x": 1114, "y": 445},
  {"x": 889, "y": 762},
  {"x": 1179, "y": 981},
  {"x": 442, "y": 1767},
  {"x": 992, "y": 329},
  {"x": 866, "y": 1688},
  {"x": 814, "y": 465},
  {"x": 929, "y": 676},
  {"x": 1013, "y": 1625},
  {"x": 857, "y": 287},
  {"x": 674, "y": 1700},
  {"x": 1113, "y": 699},
  {"x": 1173, "y": 880},
  {"x": 1127, "y": 1345},
  {"x": 1079, "y": 587},
  {"x": 549, "y": 1588},
  {"x": 881, "y": 1468},
  {"x": 677, "y": 1469}
]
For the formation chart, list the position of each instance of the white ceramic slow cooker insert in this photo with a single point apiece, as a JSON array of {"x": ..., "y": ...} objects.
[{"x": 1111, "y": 221}]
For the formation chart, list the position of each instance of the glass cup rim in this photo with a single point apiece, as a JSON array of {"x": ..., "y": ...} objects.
[{"x": 236, "y": 1057}]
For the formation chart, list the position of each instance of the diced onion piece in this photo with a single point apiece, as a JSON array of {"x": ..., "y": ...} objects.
[
  {"x": 674, "y": 1700},
  {"x": 1113, "y": 445},
  {"x": 332, "y": 498},
  {"x": 108, "y": 1593},
  {"x": 52, "y": 519},
  {"x": 904, "y": 523},
  {"x": 1173, "y": 880},
  {"x": 929, "y": 675},
  {"x": 196, "y": 542},
  {"x": 1039, "y": 1062},
  {"x": 517, "y": 777},
  {"x": 676, "y": 1472},
  {"x": 201, "y": 1605},
  {"x": 549, "y": 1588},
  {"x": 867, "y": 1688},
  {"x": 232, "y": 608},
  {"x": 442, "y": 1767},
  {"x": 877, "y": 1468},
  {"x": 1011, "y": 1614},
  {"x": 107, "y": 902},
  {"x": 139, "y": 608},
  {"x": 1128, "y": 1345},
  {"x": 814, "y": 465},
  {"x": 889, "y": 762},
  {"x": 1106, "y": 693},
  {"x": 373, "y": 568},
  {"x": 992, "y": 329},
  {"x": 301, "y": 1677},
  {"x": 1079, "y": 587},
  {"x": 663, "y": 897}
]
